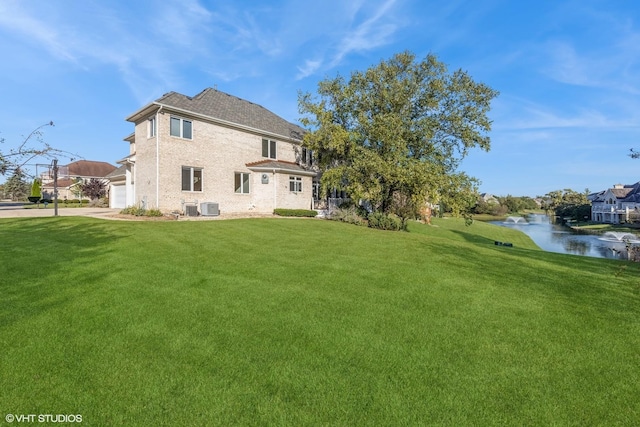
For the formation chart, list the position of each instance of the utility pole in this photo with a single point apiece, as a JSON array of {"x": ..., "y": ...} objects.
[{"x": 55, "y": 187}]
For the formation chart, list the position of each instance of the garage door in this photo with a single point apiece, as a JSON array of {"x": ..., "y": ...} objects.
[{"x": 118, "y": 199}]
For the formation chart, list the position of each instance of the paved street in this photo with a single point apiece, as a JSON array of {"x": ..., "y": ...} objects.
[{"x": 17, "y": 210}]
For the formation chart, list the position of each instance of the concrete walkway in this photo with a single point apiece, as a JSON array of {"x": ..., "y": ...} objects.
[{"x": 17, "y": 210}]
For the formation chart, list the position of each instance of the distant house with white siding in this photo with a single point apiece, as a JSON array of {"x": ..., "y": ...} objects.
[{"x": 616, "y": 205}]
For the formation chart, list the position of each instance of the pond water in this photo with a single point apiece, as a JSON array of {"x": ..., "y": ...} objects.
[{"x": 557, "y": 238}]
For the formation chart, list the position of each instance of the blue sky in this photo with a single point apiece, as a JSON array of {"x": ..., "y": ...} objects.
[{"x": 568, "y": 72}]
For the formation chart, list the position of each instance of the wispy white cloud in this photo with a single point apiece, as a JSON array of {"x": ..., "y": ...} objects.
[
  {"x": 146, "y": 58},
  {"x": 367, "y": 35},
  {"x": 604, "y": 53},
  {"x": 309, "y": 67},
  {"x": 183, "y": 23},
  {"x": 17, "y": 20},
  {"x": 353, "y": 34},
  {"x": 519, "y": 114}
]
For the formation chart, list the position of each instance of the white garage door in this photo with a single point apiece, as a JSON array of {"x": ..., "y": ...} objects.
[{"x": 118, "y": 197}]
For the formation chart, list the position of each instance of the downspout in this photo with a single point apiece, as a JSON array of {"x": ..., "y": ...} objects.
[
  {"x": 275, "y": 190},
  {"x": 158, "y": 158}
]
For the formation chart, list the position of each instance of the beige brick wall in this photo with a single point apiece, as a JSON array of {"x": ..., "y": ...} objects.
[
  {"x": 220, "y": 152},
  {"x": 145, "y": 166}
]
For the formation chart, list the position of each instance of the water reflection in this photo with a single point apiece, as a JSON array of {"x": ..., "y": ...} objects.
[{"x": 556, "y": 238}]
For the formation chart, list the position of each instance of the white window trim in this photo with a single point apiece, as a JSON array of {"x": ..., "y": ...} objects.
[
  {"x": 242, "y": 181},
  {"x": 192, "y": 170},
  {"x": 306, "y": 157},
  {"x": 297, "y": 184},
  {"x": 182, "y": 121},
  {"x": 270, "y": 154},
  {"x": 153, "y": 127}
]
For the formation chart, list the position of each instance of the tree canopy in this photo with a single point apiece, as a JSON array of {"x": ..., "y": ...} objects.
[
  {"x": 394, "y": 135},
  {"x": 94, "y": 188}
]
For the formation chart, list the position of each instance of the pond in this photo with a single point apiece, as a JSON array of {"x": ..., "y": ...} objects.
[{"x": 557, "y": 238}]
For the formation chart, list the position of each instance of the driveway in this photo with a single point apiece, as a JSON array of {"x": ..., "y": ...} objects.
[{"x": 17, "y": 210}]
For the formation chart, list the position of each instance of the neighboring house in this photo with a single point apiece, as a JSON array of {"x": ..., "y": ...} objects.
[
  {"x": 217, "y": 149},
  {"x": 616, "y": 205},
  {"x": 73, "y": 175},
  {"x": 489, "y": 199}
]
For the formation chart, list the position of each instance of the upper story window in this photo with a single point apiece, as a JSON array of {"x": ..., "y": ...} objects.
[
  {"x": 191, "y": 179},
  {"x": 181, "y": 128},
  {"x": 268, "y": 148},
  {"x": 306, "y": 157},
  {"x": 152, "y": 127}
]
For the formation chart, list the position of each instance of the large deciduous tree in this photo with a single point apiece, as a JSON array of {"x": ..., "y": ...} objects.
[{"x": 395, "y": 134}]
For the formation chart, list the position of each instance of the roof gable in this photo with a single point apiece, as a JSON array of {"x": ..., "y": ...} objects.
[{"x": 221, "y": 106}]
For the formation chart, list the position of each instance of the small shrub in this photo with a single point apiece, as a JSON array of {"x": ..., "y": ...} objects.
[
  {"x": 133, "y": 210},
  {"x": 348, "y": 215},
  {"x": 295, "y": 212},
  {"x": 383, "y": 221},
  {"x": 140, "y": 211},
  {"x": 99, "y": 203}
]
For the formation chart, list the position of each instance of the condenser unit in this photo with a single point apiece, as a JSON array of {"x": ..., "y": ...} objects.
[
  {"x": 191, "y": 210},
  {"x": 209, "y": 209}
]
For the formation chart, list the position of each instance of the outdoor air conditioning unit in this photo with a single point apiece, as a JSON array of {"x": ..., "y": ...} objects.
[
  {"x": 191, "y": 210},
  {"x": 209, "y": 209}
]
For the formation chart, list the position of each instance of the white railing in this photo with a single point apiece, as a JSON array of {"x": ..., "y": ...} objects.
[{"x": 330, "y": 203}]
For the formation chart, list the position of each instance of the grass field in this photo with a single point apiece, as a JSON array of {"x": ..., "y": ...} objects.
[{"x": 311, "y": 322}]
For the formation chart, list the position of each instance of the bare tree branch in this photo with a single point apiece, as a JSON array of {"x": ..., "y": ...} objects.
[{"x": 31, "y": 147}]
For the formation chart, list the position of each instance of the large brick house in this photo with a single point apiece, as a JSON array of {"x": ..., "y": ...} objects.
[{"x": 216, "y": 149}]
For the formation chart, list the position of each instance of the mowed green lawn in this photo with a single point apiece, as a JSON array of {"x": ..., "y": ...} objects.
[{"x": 311, "y": 322}]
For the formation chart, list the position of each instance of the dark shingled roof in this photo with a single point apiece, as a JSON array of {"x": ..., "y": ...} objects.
[
  {"x": 222, "y": 106},
  {"x": 621, "y": 193},
  {"x": 89, "y": 168},
  {"x": 62, "y": 183},
  {"x": 634, "y": 195},
  {"x": 119, "y": 172}
]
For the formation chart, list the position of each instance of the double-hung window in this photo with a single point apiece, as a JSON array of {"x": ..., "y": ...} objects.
[
  {"x": 242, "y": 183},
  {"x": 295, "y": 184},
  {"x": 268, "y": 148},
  {"x": 181, "y": 128},
  {"x": 191, "y": 179}
]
